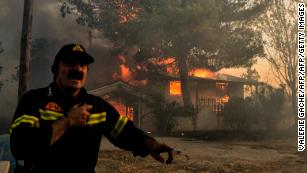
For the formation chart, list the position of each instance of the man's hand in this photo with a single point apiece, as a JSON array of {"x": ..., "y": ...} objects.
[
  {"x": 78, "y": 115},
  {"x": 155, "y": 148}
]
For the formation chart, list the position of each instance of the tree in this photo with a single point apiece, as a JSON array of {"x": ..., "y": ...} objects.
[
  {"x": 1, "y": 83},
  {"x": 25, "y": 48},
  {"x": 252, "y": 77},
  {"x": 279, "y": 28},
  {"x": 241, "y": 114},
  {"x": 271, "y": 102},
  {"x": 1, "y": 49},
  {"x": 197, "y": 33},
  {"x": 1, "y": 67}
]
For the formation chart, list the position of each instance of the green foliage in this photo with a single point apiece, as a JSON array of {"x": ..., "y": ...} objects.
[
  {"x": 241, "y": 114},
  {"x": 279, "y": 25},
  {"x": 261, "y": 111},
  {"x": 271, "y": 103},
  {"x": 251, "y": 75},
  {"x": 165, "y": 113},
  {"x": 162, "y": 111},
  {"x": 163, "y": 28},
  {"x": 205, "y": 34}
]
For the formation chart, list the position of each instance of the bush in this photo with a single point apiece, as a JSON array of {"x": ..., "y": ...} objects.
[
  {"x": 241, "y": 114},
  {"x": 271, "y": 102},
  {"x": 262, "y": 111}
]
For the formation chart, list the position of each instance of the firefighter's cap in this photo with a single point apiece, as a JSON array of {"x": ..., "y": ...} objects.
[{"x": 73, "y": 53}]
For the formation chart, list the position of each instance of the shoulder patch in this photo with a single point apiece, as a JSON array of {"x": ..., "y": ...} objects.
[{"x": 53, "y": 107}]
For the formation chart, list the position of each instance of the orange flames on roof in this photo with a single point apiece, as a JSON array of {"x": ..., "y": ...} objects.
[
  {"x": 162, "y": 61},
  {"x": 168, "y": 63},
  {"x": 126, "y": 74},
  {"x": 171, "y": 68},
  {"x": 202, "y": 73}
]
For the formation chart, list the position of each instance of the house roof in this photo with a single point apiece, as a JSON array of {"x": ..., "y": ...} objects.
[
  {"x": 120, "y": 86},
  {"x": 218, "y": 77},
  {"x": 116, "y": 86}
]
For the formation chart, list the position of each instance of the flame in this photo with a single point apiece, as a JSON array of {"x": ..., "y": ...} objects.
[
  {"x": 175, "y": 88},
  {"x": 225, "y": 99},
  {"x": 126, "y": 74},
  {"x": 163, "y": 61},
  {"x": 168, "y": 63},
  {"x": 122, "y": 109},
  {"x": 202, "y": 73}
]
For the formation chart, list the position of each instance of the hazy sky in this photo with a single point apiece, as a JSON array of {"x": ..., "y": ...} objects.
[{"x": 48, "y": 23}]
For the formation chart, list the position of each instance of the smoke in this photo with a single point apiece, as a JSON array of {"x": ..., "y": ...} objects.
[{"x": 49, "y": 24}]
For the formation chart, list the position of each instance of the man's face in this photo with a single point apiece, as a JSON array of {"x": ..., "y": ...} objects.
[{"x": 71, "y": 76}]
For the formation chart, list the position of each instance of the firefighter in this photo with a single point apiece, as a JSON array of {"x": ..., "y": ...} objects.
[{"x": 59, "y": 128}]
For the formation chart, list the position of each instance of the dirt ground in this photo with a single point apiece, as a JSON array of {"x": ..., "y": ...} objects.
[{"x": 276, "y": 156}]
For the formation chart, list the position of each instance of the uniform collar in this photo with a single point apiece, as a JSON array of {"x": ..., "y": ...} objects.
[{"x": 53, "y": 90}]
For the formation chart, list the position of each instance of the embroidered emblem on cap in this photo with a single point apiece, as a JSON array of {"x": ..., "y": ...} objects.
[{"x": 78, "y": 48}]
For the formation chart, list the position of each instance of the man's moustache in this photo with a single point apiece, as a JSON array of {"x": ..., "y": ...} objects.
[{"x": 75, "y": 75}]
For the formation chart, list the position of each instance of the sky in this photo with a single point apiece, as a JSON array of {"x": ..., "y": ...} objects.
[{"x": 48, "y": 23}]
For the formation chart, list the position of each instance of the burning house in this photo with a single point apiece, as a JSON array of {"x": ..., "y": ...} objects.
[
  {"x": 209, "y": 92},
  {"x": 127, "y": 99}
]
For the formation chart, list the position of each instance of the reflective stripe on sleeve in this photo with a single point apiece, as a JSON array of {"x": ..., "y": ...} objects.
[
  {"x": 50, "y": 115},
  {"x": 34, "y": 121},
  {"x": 119, "y": 126},
  {"x": 96, "y": 118}
]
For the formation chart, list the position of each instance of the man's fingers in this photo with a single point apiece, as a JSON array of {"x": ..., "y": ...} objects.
[
  {"x": 86, "y": 106},
  {"x": 76, "y": 105},
  {"x": 165, "y": 148},
  {"x": 157, "y": 156},
  {"x": 169, "y": 150},
  {"x": 170, "y": 157}
]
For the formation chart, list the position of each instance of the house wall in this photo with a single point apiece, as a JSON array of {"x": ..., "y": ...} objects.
[
  {"x": 207, "y": 118},
  {"x": 197, "y": 89},
  {"x": 236, "y": 90},
  {"x": 147, "y": 122}
]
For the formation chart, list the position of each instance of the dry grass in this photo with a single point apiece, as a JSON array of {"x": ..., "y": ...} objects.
[{"x": 215, "y": 158}]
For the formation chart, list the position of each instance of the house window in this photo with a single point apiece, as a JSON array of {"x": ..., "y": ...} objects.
[
  {"x": 221, "y": 88},
  {"x": 174, "y": 88}
]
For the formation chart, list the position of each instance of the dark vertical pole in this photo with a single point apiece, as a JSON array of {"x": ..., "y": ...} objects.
[
  {"x": 25, "y": 49},
  {"x": 90, "y": 39}
]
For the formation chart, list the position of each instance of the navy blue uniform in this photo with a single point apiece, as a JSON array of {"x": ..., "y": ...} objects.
[{"x": 77, "y": 150}]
